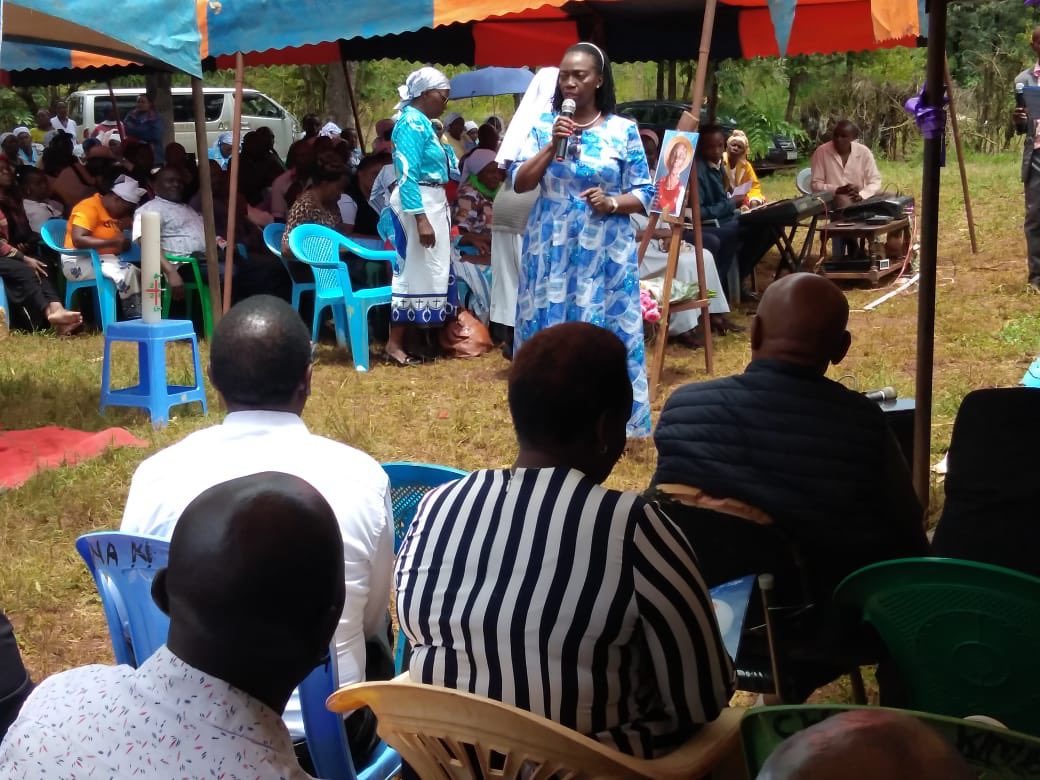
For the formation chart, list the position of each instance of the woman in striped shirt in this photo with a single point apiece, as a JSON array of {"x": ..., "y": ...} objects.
[{"x": 538, "y": 587}]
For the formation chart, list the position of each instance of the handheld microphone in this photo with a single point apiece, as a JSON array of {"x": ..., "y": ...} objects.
[
  {"x": 884, "y": 394},
  {"x": 567, "y": 109},
  {"x": 1020, "y": 95}
]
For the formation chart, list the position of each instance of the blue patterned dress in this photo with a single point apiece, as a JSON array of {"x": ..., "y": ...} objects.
[{"x": 578, "y": 265}]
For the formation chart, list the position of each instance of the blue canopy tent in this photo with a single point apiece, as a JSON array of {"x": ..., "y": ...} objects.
[{"x": 160, "y": 33}]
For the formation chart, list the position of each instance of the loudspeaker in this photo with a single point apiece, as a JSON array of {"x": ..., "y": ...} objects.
[{"x": 899, "y": 414}]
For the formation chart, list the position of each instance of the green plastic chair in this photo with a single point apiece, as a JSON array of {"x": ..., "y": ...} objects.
[
  {"x": 994, "y": 753},
  {"x": 199, "y": 287},
  {"x": 963, "y": 636}
]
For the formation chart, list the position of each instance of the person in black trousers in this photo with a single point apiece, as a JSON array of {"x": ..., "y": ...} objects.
[
  {"x": 15, "y": 682},
  {"x": 26, "y": 279}
]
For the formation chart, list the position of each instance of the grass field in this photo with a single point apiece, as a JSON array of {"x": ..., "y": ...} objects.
[{"x": 454, "y": 412}]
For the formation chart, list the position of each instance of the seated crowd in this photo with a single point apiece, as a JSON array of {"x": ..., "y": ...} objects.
[
  {"x": 532, "y": 584},
  {"x": 326, "y": 179}
]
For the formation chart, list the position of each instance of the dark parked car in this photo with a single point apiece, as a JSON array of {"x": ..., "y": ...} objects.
[{"x": 661, "y": 115}]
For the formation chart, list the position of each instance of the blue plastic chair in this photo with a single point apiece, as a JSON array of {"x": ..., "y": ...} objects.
[
  {"x": 152, "y": 391},
  {"x": 53, "y": 234},
  {"x": 409, "y": 482},
  {"x": 124, "y": 565},
  {"x": 273, "y": 239},
  {"x": 319, "y": 247},
  {"x": 326, "y": 737}
]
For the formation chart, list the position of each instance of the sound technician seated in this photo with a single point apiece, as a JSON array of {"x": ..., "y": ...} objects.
[
  {"x": 783, "y": 446},
  {"x": 845, "y": 167}
]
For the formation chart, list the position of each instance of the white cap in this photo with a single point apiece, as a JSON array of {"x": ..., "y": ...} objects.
[
  {"x": 330, "y": 129},
  {"x": 127, "y": 189},
  {"x": 471, "y": 125},
  {"x": 451, "y": 118}
]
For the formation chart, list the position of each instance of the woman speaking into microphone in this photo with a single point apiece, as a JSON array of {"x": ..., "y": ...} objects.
[{"x": 579, "y": 260}]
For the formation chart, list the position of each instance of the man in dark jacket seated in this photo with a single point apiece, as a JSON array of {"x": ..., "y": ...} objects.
[
  {"x": 727, "y": 240},
  {"x": 781, "y": 469}
]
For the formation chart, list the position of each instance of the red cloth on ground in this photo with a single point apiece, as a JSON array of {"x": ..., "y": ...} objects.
[{"x": 24, "y": 453}]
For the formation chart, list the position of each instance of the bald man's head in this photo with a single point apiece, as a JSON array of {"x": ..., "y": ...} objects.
[
  {"x": 254, "y": 580},
  {"x": 802, "y": 319},
  {"x": 865, "y": 745}
]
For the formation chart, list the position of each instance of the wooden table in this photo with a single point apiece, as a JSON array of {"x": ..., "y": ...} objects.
[{"x": 871, "y": 234}]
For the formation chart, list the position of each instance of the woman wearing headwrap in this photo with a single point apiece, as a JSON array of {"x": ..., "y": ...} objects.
[
  {"x": 580, "y": 254},
  {"x": 739, "y": 169},
  {"x": 472, "y": 215},
  {"x": 220, "y": 152},
  {"x": 422, "y": 277},
  {"x": 481, "y": 178}
]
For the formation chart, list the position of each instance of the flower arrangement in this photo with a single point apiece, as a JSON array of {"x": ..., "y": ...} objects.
[{"x": 648, "y": 303}]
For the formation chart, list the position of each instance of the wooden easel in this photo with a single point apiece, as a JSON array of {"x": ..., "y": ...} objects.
[{"x": 688, "y": 122}]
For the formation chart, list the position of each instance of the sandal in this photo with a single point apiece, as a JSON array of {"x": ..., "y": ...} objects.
[{"x": 407, "y": 360}]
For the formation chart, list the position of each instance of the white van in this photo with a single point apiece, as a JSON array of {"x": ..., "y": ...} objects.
[{"x": 88, "y": 108}]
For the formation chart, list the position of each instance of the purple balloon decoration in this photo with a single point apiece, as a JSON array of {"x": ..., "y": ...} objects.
[{"x": 931, "y": 121}]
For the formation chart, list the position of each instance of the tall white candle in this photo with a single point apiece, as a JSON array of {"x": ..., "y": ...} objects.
[{"x": 151, "y": 271}]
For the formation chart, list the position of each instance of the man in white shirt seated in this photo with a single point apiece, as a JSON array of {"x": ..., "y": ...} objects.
[
  {"x": 260, "y": 362},
  {"x": 253, "y": 589},
  {"x": 183, "y": 231}
]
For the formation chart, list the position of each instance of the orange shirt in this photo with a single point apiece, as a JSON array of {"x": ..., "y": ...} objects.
[{"x": 90, "y": 214}]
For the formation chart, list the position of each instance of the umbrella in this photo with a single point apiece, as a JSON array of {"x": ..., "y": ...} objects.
[{"x": 487, "y": 82}]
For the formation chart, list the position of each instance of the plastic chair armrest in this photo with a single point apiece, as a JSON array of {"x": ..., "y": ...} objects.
[{"x": 705, "y": 748}]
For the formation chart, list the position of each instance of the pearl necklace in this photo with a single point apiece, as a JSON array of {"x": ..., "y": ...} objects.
[{"x": 590, "y": 122}]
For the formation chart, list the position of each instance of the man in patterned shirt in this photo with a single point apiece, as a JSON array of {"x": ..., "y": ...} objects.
[{"x": 208, "y": 703}]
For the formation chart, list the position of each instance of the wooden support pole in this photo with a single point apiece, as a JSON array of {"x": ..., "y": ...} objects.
[
  {"x": 236, "y": 142},
  {"x": 929, "y": 217},
  {"x": 958, "y": 145},
  {"x": 688, "y": 122},
  {"x": 115, "y": 114},
  {"x": 206, "y": 192},
  {"x": 353, "y": 104}
]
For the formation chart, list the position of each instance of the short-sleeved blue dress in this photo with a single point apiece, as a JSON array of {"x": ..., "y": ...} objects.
[{"x": 578, "y": 265}]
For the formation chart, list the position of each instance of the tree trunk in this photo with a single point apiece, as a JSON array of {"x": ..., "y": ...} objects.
[
  {"x": 794, "y": 83},
  {"x": 689, "y": 68},
  {"x": 660, "y": 80},
  {"x": 337, "y": 97},
  {"x": 713, "y": 94},
  {"x": 158, "y": 86},
  {"x": 672, "y": 79}
]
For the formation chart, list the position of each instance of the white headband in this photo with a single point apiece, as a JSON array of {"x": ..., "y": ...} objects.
[
  {"x": 422, "y": 80},
  {"x": 599, "y": 51}
]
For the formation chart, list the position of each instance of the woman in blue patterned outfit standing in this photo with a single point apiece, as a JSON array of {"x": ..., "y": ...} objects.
[
  {"x": 421, "y": 278},
  {"x": 579, "y": 261}
]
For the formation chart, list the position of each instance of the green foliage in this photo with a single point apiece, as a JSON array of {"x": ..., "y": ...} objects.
[
  {"x": 761, "y": 127},
  {"x": 988, "y": 45}
]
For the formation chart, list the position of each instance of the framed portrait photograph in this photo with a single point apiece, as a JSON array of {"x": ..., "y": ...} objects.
[{"x": 673, "y": 172}]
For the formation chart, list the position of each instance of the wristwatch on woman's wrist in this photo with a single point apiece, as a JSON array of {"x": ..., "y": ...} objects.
[{"x": 613, "y": 205}]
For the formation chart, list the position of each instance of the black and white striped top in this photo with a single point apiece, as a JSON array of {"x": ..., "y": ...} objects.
[{"x": 544, "y": 590}]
